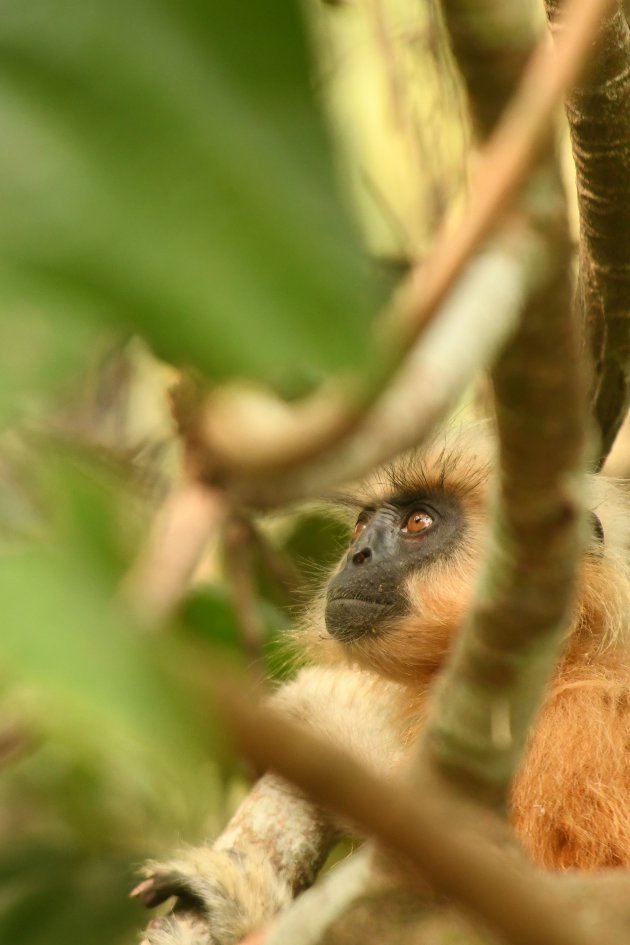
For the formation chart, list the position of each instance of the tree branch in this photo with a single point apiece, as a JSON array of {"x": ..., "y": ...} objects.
[
  {"x": 182, "y": 530},
  {"x": 437, "y": 372},
  {"x": 598, "y": 110},
  {"x": 503, "y": 166},
  {"x": 506, "y": 653},
  {"x": 238, "y": 549}
]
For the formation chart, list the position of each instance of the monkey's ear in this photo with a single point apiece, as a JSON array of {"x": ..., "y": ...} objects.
[{"x": 598, "y": 530}]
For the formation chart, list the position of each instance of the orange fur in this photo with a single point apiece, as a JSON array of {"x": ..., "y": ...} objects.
[{"x": 571, "y": 798}]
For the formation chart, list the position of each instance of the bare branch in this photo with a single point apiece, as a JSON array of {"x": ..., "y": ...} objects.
[
  {"x": 295, "y": 854},
  {"x": 182, "y": 530},
  {"x": 598, "y": 110},
  {"x": 503, "y": 165},
  {"x": 237, "y": 537},
  {"x": 436, "y": 374},
  {"x": 265, "y": 475},
  {"x": 310, "y": 919},
  {"x": 275, "y": 436}
]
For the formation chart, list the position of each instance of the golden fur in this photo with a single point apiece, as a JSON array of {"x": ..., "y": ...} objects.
[
  {"x": 571, "y": 799},
  {"x": 570, "y": 803}
]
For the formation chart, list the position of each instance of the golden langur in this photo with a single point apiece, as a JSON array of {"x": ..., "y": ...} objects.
[{"x": 376, "y": 636}]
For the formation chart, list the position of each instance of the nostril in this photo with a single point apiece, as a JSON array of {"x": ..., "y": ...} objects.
[{"x": 361, "y": 556}]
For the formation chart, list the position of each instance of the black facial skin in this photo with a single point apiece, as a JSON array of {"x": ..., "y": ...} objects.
[{"x": 367, "y": 592}]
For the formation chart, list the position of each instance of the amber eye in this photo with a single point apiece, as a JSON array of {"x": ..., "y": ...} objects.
[
  {"x": 417, "y": 522},
  {"x": 358, "y": 528}
]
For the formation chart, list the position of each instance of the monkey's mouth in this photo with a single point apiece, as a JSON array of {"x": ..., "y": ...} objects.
[{"x": 350, "y": 618}]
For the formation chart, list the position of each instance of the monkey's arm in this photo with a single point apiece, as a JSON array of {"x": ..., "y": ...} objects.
[
  {"x": 570, "y": 800},
  {"x": 277, "y": 841},
  {"x": 272, "y": 849}
]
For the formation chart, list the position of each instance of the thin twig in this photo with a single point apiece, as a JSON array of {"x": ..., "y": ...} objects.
[
  {"x": 504, "y": 162},
  {"x": 237, "y": 542},
  {"x": 491, "y": 41},
  {"x": 185, "y": 524}
]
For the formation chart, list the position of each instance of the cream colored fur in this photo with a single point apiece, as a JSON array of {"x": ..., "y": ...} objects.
[{"x": 571, "y": 799}]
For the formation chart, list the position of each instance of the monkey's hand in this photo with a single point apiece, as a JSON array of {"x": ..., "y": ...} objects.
[
  {"x": 221, "y": 896},
  {"x": 275, "y": 844}
]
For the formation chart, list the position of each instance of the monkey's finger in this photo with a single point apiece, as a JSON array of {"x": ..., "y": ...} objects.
[
  {"x": 159, "y": 887},
  {"x": 141, "y": 890}
]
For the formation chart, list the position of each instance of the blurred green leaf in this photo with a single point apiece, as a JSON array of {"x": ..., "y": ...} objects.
[
  {"x": 53, "y": 896},
  {"x": 37, "y": 355},
  {"x": 94, "y": 511},
  {"x": 97, "y": 677},
  {"x": 92, "y": 674},
  {"x": 317, "y": 542},
  {"x": 162, "y": 167},
  {"x": 209, "y": 614}
]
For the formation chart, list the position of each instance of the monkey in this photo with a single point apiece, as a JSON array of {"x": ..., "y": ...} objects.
[{"x": 376, "y": 636}]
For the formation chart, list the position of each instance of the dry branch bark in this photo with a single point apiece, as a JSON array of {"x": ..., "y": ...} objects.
[
  {"x": 436, "y": 373},
  {"x": 506, "y": 654},
  {"x": 296, "y": 854},
  {"x": 598, "y": 111}
]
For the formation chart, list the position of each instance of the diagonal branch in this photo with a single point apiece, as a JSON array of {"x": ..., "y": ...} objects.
[{"x": 503, "y": 166}]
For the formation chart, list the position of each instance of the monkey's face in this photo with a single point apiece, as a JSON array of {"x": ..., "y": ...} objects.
[
  {"x": 400, "y": 593},
  {"x": 405, "y": 585},
  {"x": 394, "y": 544}
]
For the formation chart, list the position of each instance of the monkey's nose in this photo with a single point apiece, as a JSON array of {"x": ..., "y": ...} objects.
[{"x": 360, "y": 557}]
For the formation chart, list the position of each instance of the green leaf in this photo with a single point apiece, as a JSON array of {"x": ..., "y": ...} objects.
[
  {"x": 96, "y": 512},
  {"x": 318, "y": 539},
  {"x": 162, "y": 167},
  {"x": 208, "y": 613},
  {"x": 55, "y": 896},
  {"x": 94, "y": 675},
  {"x": 37, "y": 356}
]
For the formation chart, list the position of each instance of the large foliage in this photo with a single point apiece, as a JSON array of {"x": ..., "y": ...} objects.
[{"x": 164, "y": 171}]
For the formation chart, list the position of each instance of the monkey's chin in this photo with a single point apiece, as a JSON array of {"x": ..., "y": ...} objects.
[{"x": 349, "y": 619}]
